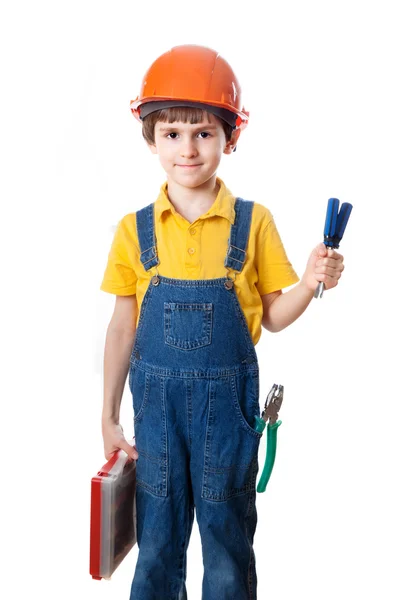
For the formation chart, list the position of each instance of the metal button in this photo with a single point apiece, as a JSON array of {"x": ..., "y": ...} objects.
[
  {"x": 191, "y": 250},
  {"x": 228, "y": 284},
  {"x": 155, "y": 280}
]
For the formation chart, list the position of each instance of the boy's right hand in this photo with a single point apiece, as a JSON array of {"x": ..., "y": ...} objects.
[{"x": 113, "y": 438}]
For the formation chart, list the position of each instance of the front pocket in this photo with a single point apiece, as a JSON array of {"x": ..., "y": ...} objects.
[{"x": 188, "y": 326}]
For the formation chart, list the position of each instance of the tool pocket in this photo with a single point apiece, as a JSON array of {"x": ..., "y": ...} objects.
[
  {"x": 187, "y": 326},
  {"x": 150, "y": 430},
  {"x": 231, "y": 449}
]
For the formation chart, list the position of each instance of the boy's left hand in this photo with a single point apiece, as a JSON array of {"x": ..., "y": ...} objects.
[{"x": 324, "y": 264}]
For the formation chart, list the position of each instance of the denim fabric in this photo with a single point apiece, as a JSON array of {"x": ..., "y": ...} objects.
[{"x": 195, "y": 385}]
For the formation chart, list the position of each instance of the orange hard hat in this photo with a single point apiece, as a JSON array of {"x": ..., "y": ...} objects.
[{"x": 191, "y": 75}]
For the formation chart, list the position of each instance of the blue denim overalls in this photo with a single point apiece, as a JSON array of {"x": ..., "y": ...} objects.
[{"x": 195, "y": 386}]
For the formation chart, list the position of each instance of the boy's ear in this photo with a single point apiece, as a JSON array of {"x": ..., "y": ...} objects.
[
  {"x": 153, "y": 148},
  {"x": 231, "y": 145}
]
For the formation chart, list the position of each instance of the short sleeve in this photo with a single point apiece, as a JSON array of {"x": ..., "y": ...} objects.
[
  {"x": 274, "y": 269},
  {"x": 120, "y": 277}
]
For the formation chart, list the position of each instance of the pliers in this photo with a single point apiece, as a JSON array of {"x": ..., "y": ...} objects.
[
  {"x": 335, "y": 224},
  {"x": 270, "y": 415}
]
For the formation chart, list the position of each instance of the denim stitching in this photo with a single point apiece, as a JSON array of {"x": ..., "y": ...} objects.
[
  {"x": 188, "y": 386},
  {"x": 210, "y": 416},
  {"x": 240, "y": 313},
  {"x": 165, "y": 436},
  {"x": 206, "y": 324},
  {"x": 251, "y": 558},
  {"x": 212, "y": 373},
  {"x": 182, "y": 555},
  {"x": 161, "y": 489},
  {"x": 192, "y": 282},
  {"x": 138, "y": 416},
  {"x": 239, "y": 412}
]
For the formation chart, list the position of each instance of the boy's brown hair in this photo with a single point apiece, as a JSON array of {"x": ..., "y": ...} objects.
[{"x": 185, "y": 114}]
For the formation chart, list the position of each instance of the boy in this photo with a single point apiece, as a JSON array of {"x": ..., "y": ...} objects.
[{"x": 195, "y": 275}]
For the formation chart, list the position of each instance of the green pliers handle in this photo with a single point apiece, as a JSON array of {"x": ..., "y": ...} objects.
[{"x": 272, "y": 430}]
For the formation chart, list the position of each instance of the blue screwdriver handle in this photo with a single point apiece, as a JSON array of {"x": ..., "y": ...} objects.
[
  {"x": 335, "y": 225},
  {"x": 331, "y": 220},
  {"x": 342, "y": 221}
]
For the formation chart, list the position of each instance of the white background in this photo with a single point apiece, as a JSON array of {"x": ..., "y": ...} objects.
[{"x": 321, "y": 80}]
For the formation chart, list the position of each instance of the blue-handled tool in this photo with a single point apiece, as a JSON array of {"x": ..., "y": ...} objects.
[{"x": 335, "y": 224}]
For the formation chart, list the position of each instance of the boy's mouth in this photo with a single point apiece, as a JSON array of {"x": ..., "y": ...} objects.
[{"x": 187, "y": 166}]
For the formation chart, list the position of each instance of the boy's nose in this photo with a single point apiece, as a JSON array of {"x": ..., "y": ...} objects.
[{"x": 188, "y": 149}]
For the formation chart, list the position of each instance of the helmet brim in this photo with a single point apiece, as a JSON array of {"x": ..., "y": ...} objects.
[{"x": 147, "y": 108}]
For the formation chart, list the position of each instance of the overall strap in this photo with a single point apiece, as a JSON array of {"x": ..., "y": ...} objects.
[
  {"x": 147, "y": 237},
  {"x": 239, "y": 235},
  {"x": 238, "y": 239}
]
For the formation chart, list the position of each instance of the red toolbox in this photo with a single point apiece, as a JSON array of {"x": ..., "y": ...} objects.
[{"x": 112, "y": 515}]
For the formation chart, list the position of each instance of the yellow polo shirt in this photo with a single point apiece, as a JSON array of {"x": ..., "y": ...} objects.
[{"x": 197, "y": 251}]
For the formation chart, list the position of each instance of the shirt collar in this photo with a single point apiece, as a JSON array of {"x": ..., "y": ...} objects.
[{"x": 224, "y": 204}]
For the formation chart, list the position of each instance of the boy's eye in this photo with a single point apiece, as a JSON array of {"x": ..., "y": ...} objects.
[{"x": 173, "y": 135}]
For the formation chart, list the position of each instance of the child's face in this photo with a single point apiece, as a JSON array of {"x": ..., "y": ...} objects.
[{"x": 190, "y": 154}]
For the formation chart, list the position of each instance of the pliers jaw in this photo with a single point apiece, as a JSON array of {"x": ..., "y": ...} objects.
[{"x": 273, "y": 404}]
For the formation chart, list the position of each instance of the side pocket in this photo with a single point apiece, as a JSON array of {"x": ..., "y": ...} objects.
[
  {"x": 150, "y": 431},
  {"x": 139, "y": 387},
  {"x": 231, "y": 447},
  {"x": 245, "y": 398}
]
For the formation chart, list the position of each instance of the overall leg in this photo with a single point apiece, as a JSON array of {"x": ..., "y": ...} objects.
[
  {"x": 227, "y": 531},
  {"x": 224, "y": 468},
  {"x": 164, "y": 497}
]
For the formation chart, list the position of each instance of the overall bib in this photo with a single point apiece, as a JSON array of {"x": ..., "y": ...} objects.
[{"x": 195, "y": 386}]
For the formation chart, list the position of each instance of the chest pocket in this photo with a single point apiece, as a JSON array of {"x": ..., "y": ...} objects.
[{"x": 188, "y": 326}]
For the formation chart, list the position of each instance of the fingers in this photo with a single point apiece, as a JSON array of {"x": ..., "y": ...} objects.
[
  {"x": 330, "y": 269},
  {"x": 321, "y": 250},
  {"x": 130, "y": 450},
  {"x": 330, "y": 263},
  {"x": 110, "y": 453},
  {"x": 333, "y": 254},
  {"x": 134, "y": 455},
  {"x": 115, "y": 440},
  {"x": 328, "y": 272},
  {"x": 329, "y": 280},
  {"x": 324, "y": 265},
  {"x": 324, "y": 255}
]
